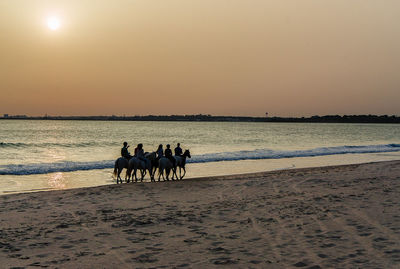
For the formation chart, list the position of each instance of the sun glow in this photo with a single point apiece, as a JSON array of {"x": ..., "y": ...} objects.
[{"x": 53, "y": 23}]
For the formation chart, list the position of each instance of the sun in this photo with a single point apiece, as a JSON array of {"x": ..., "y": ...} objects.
[{"x": 53, "y": 23}]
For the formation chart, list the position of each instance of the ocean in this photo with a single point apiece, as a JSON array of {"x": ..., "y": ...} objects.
[{"x": 46, "y": 155}]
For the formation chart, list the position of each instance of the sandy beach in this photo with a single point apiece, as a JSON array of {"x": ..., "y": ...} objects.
[{"x": 327, "y": 217}]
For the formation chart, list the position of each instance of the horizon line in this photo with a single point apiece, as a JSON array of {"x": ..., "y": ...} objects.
[{"x": 6, "y": 115}]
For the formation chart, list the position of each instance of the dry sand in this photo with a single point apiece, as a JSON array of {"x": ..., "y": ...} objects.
[{"x": 328, "y": 217}]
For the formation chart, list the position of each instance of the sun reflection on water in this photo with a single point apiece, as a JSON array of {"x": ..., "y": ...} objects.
[{"x": 57, "y": 181}]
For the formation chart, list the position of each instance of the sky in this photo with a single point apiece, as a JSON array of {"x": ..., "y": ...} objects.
[{"x": 218, "y": 57}]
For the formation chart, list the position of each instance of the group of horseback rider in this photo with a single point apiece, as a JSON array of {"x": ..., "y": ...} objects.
[
  {"x": 139, "y": 152},
  {"x": 161, "y": 159}
]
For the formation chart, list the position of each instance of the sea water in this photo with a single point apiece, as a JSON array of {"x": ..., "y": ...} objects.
[{"x": 46, "y": 154}]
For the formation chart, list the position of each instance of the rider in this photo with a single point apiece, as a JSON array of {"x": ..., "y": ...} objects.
[
  {"x": 160, "y": 151},
  {"x": 178, "y": 150},
  {"x": 168, "y": 154},
  {"x": 139, "y": 152},
  {"x": 124, "y": 151}
]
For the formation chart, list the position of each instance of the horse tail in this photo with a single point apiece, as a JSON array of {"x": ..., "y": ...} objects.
[{"x": 115, "y": 168}]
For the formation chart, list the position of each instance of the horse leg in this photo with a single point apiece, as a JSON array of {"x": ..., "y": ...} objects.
[
  {"x": 151, "y": 174},
  {"x": 126, "y": 178},
  {"x": 136, "y": 177},
  {"x": 128, "y": 175},
  {"x": 142, "y": 174},
  {"x": 174, "y": 173},
  {"x": 159, "y": 173},
  {"x": 184, "y": 172},
  {"x": 153, "y": 171},
  {"x": 119, "y": 175},
  {"x": 172, "y": 177},
  {"x": 167, "y": 171},
  {"x": 150, "y": 169}
]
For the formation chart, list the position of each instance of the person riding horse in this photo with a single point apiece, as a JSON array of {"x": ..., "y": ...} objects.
[
  {"x": 165, "y": 161},
  {"x": 139, "y": 152},
  {"x": 160, "y": 152},
  {"x": 124, "y": 151},
  {"x": 168, "y": 154},
  {"x": 178, "y": 150}
]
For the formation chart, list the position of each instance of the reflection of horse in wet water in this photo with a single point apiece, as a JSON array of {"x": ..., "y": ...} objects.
[
  {"x": 141, "y": 165},
  {"x": 120, "y": 164},
  {"x": 166, "y": 164}
]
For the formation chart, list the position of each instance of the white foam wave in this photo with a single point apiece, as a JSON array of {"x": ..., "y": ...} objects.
[
  {"x": 278, "y": 154},
  {"x": 45, "y": 168}
]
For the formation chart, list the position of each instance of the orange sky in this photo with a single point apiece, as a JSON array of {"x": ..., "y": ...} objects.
[{"x": 220, "y": 57}]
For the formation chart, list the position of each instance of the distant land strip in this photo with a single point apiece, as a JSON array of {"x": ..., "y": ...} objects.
[{"x": 210, "y": 118}]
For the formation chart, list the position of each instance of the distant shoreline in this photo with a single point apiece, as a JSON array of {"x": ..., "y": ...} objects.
[{"x": 210, "y": 118}]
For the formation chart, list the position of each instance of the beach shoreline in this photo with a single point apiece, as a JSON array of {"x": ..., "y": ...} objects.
[{"x": 337, "y": 216}]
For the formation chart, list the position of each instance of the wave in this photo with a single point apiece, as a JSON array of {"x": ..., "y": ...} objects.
[
  {"x": 45, "y": 168},
  {"x": 50, "y": 144},
  {"x": 278, "y": 154},
  {"x": 69, "y": 166}
]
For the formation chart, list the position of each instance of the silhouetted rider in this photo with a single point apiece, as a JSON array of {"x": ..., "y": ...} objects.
[
  {"x": 124, "y": 151},
  {"x": 168, "y": 154},
  {"x": 139, "y": 152},
  {"x": 160, "y": 152},
  {"x": 178, "y": 150}
]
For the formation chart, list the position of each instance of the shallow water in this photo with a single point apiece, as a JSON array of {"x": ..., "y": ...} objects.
[{"x": 43, "y": 155}]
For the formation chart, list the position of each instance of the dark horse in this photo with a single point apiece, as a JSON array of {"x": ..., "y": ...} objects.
[
  {"x": 120, "y": 164},
  {"x": 181, "y": 162},
  {"x": 166, "y": 164}
]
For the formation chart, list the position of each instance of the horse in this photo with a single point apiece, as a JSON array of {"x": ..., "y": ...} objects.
[
  {"x": 181, "y": 161},
  {"x": 152, "y": 157},
  {"x": 136, "y": 163},
  {"x": 120, "y": 164},
  {"x": 166, "y": 164}
]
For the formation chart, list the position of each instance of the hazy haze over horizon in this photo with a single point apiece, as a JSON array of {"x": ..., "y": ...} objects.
[{"x": 220, "y": 57}]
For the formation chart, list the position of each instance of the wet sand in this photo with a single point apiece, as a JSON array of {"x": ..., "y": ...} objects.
[{"x": 327, "y": 217}]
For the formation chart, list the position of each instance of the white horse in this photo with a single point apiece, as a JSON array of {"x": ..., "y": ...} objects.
[
  {"x": 166, "y": 164},
  {"x": 120, "y": 164},
  {"x": 136, "y": 163}
]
